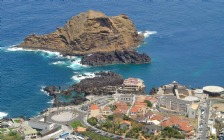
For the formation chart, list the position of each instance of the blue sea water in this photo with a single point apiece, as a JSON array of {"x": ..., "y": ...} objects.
[{"x": 188, "y": 46}]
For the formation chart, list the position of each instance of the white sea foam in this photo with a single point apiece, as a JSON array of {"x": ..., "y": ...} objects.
[
  {"x": 80, "y": 77},
  {"x": 42, "y": 90},
  {"x": 76, "y": 64},
  {"x": 146, "y": 34},
  {"x": 44, "y": 53},
  {"x": 3, "y": 114},
  {"x": 51, "y": 101},
  {"x": 59, "y": 63}
]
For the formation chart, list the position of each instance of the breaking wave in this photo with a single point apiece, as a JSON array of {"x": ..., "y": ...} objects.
[
  {"x": 80, "y": 77},
  {"x": 42, "y": 90},
  {"x": 44, "y": 53},
  {"x": 3, "y": 114},
  {"x": 146, "y": 34}
]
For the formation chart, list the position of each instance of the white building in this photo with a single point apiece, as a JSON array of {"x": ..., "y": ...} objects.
[{"x": 134, "y": 84}]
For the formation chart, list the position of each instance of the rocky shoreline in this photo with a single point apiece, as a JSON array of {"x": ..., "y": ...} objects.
[
  {"x": 105, "y": 83},
  {"x": 116, "y": 57}
]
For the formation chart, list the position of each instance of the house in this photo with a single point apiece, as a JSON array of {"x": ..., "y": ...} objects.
[
  {"x": 140, "y": 99},
  {"x": 125, "y": 124},
  {"x": 141, "y": 107},
  {"x": 151, "y": 129},
  {"x": 166, "y": 123},
  {"x": 41, "y": 123},
  {"x": 153, "y": 100},
  {"x": 106, "y": 110},
  {"x": 80, "y": 129},
  {"x": 148, "y": 114},
  {"x": 121, "y": 108},
  {"x": 154, "y": 122},
  {"x": 134, "y": 111},
  {"x": 29, "y": 132},
  {"x": 157, "y": 117},
  {"x": 182, "y": 125},
  {"x": 138, "y": 109},
  {"x": 185, "y": 127},
  {"x": 141, "y": 119},
  {"x": 94, "y": 110},
  {"x": 127, "y": 98}
]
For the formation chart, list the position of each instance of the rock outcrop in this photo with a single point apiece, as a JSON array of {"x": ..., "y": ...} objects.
[
  {"x": 103, "y": 83},
  {"x": 87, "y": 33},
  {"x": 116, "y": 57}
]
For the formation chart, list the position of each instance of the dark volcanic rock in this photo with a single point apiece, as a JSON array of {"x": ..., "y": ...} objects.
[
  {"x": 117, "y": 57},
  {"x": 51, "y": 90},
  {"x": 103, "y": 83}
]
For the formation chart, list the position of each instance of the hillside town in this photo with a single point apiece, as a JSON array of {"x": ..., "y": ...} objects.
[{"x": 172, "y": 111}]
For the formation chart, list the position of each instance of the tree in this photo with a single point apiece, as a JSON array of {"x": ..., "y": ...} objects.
[
  {"x": 110, "y": 117},
  {"x": 171, "y": 132},
  {"x": 125, "y": 117},
  {"x": 149, "y": 104},
  {"x": 92, "y": 121},
  {"x": 12, "y": 135}
]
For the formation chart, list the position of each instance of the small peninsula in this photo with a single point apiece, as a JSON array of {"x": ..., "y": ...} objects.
[{"x": 93, "y": 33}]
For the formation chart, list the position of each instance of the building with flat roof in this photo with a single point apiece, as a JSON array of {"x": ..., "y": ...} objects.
[
  {"x": 127, "y": 98},
  {"x": 45, "y": 127},
  {"x": 177, "y": 98},
  {"x": 29, "y": 132},
  {"x": 133, "y": 84},
  {"x": 213, "y": 90}
]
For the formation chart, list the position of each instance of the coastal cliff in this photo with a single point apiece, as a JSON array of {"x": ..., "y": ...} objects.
[{"x": 88, "y": 33}]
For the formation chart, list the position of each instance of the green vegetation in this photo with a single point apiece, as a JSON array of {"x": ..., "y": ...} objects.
[
  {"x": 213, "y": 137},
  {"x": 133, "y": 133},
  {"x": 11, "y": 136},
  {"x": 171, "y": 133},
  {"x": 95, "y": 136},
  {"x": 76, "y": 124},
  {"x": 110, "y": 117},
  {"x": 92, "y": 121},
  {"x": 3, "y": 129},
  {"x": 112, "y": 107},
  {"x": 17, "y": 121},
  {"x": 125, "y": 117},
  {"x": 149, "y": 104}
]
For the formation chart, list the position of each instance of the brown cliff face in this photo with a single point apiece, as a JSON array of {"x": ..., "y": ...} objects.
[{"x": 86, "y": 33}]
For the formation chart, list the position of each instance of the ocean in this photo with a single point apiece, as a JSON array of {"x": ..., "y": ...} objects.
[{"x": 185, "y": 42}]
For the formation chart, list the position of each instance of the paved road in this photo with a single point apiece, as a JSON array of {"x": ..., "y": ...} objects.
[{"x": 203, "y": 120}]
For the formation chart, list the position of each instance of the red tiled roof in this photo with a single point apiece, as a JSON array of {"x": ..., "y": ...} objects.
[
  {"x": 156, "y": 117},
  {"x": 175, "y": 120},
  {"x": 121, "y": 103},
  {"x": 141, "y": 99},
  {"x": 186, "y": 128},
  {"x": 140, "y": 103},
  {"x": 106, "y": 108},
  {"x": 127, "y": 122},
  {"x": 134, "y": 109},
  {"x": 151, "y": 98},
  {"x": 94, "y": 107},
  {"x": 183, "y": 124},
  {"x": 166, "y": 123}
]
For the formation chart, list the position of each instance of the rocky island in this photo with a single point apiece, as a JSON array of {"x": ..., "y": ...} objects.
[{"x": 96, "y": 37}]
